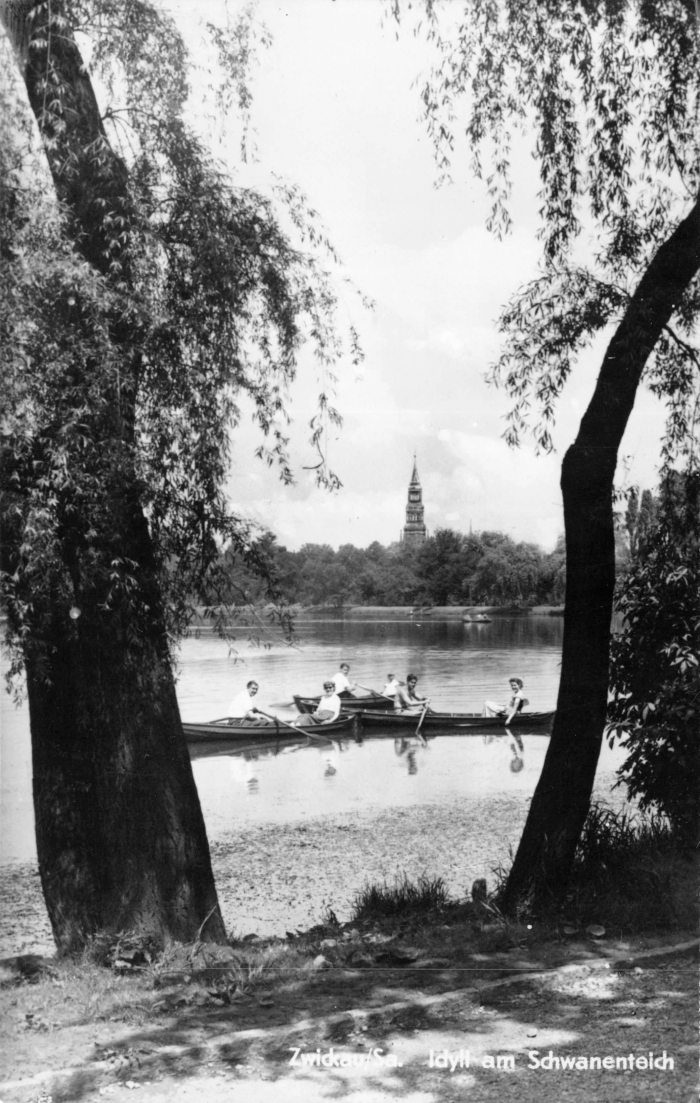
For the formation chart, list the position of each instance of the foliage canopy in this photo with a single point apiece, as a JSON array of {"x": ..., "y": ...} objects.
[
  {"x": 449, "y": 568},
  {"x": 608, "y": 96},
  {"x": 655, "y": 663},
  {"x": 131, "y": 361}
]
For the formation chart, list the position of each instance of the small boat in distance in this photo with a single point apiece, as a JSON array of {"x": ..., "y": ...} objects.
[
  {"x": 476, "y": 618},
  {"x": 225, "y": 731}
]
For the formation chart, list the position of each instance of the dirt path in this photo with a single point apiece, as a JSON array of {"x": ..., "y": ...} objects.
[{"x": 409, "y": 1035}]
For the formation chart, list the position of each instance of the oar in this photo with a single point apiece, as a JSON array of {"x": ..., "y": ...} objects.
[
  {"x": 420, "y": 724},
  {"x": 375, "y": 692},
  {"x": 297, "y": 731}
]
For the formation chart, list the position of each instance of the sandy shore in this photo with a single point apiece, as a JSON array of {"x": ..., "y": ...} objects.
[
  {"x": 275, "y": 878},
  {"x": 281, "y": 877}
]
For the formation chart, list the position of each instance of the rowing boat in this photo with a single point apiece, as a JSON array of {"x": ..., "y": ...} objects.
[
  {"x": 223, "y": 731},
  {"x": 349, "y": 703},
  {"x": 457, "y": 721}
]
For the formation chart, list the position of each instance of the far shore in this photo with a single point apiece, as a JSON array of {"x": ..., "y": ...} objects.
[{"x": 204, "y": 615}]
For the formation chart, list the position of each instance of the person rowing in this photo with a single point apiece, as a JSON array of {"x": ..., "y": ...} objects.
[
  {"x": 242, "y": 710},
  {"x": 407, "y": 701},
  {"x": 345, "y": 688},
  {"x": 327, "y": 709},
  {"x": 341, "y": 681},
  {"x": 515, "y": 705}
]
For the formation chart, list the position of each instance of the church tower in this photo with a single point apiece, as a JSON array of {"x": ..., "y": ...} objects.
[{"x": 414, "y": 531}]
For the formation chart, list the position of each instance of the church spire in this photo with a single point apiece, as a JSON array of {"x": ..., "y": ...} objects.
[
  {"x": 414, "y": 531},
  {"x": 415, "y": 481}
]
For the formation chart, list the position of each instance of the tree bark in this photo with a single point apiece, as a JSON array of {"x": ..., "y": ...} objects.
[
  {"x": 120, "y": 835},
  {"x": 545, "y": 856}
]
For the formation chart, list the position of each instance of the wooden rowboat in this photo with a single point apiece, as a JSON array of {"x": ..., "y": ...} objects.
[
  {"x": 456, "y": 721},
  {"x": 221, "y": 731},
  {"x": 349, "y": 703}
]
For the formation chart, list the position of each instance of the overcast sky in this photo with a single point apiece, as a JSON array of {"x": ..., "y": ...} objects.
[{"x": 335, "y": 112}]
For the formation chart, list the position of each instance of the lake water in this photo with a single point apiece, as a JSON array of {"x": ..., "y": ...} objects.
[{"x": 293, "y": 830}]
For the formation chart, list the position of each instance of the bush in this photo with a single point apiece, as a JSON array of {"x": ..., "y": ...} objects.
[
  {"x": 655, "y": 665},
  {"x": 629, "y": 875}
]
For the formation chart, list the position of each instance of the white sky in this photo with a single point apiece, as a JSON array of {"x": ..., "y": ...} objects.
[{"x": 336, "y": 113}]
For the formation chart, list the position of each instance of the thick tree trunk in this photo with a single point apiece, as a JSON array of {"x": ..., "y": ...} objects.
[
  {"x": 562, "y": 798},
  {"x": 120, "y": 835}
]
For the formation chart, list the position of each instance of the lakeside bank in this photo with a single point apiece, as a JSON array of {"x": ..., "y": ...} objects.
[{"x": 209, "y": 616}]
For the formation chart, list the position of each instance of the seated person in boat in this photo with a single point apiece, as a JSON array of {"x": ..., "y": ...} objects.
[
  {"x": 342, "y": 683},
  {"x": 392, "y": 686},
  {"x": 327, "y": 709},
  {"x": 515, "y": 705},
  {"x": 407, "y": 700},
  {"x": 243, "y": 711}
]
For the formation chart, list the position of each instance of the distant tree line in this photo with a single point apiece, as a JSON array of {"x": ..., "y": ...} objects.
[
  {"x": 486, "y": 568},
  {"x": 450, "y": 568}
]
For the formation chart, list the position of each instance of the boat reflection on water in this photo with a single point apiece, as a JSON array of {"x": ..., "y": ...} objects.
[
  {"x": 295, "y": 779},
  {"x": 249, "y": 752},
  {"x": 405, "y": 747}
]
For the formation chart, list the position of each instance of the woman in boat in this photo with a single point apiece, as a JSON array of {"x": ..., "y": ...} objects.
[
  {"x": 327, "y": 710},
  {"x": 514, "y": 706},
  {"x": 407, "y": 700}
]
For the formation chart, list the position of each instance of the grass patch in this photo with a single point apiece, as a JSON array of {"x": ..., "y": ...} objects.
[
  {"x": 630, "y": 875},
  {"x": 403, "y": 899}
]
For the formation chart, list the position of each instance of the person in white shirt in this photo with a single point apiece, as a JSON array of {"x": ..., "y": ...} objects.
[
  {"x": 341, "y": 682},
  {"x": 327, "y": 710},
  {"x": 392, "y": 687},
  {"x": 242, "y": 707}
]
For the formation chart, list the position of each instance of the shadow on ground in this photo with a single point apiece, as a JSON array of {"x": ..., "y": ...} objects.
[{"x": 413, "y": 1032}]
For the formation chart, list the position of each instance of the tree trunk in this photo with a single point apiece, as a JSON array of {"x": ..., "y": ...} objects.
[
  {"x": 120, "y": 834},
  {"x": 561, "y": 800}
]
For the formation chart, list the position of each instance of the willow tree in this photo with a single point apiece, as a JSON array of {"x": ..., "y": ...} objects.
[
  {"x": 147, "y": 293},
  {"x": 608, "y": 95}
]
